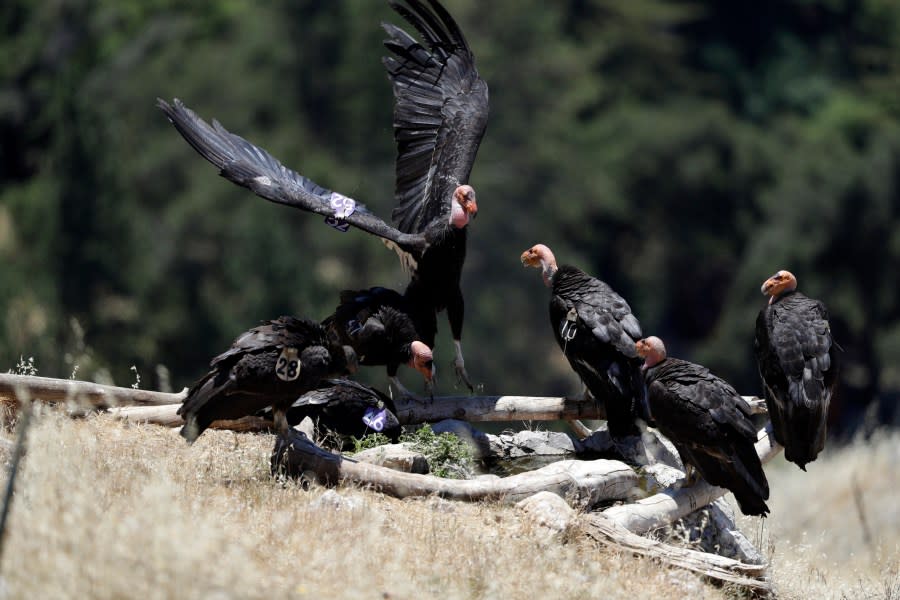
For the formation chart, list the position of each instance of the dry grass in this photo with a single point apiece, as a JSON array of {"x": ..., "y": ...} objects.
[
  {"x": 815, "y": 538},
  {"x": 110, "y": 510}
]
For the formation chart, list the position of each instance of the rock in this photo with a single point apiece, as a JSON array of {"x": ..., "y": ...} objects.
[
  {"x": 532, "y": 443},
  {"x": 549, "y": 511},
  {"x": 394, "y": 456},
  {"x": 335, "y": 501}
]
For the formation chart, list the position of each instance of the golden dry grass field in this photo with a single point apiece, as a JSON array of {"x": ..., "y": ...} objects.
[{"x": 106, "y": 509}]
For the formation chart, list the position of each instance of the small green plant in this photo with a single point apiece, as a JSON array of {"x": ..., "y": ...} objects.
[
  {"x": 448, "y": 456},
  {"x": 373, "y": 440}
]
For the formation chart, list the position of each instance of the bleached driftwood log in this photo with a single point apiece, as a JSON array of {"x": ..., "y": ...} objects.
[
  {"x": 466, "y": 408},
  {"x": 473, "y": 409},
  {"x": 168, "y": 416},
  {"x": 664, "y": 508},
  {"x": 610, "y": 533},
  {"x": 558, "y": 517},
  {"x": 582, "y": 483},
  {"x": 95, "y": 395}
]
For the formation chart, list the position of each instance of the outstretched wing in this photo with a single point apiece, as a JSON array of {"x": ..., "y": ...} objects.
[
  {"x": 250, "y": 166},
  {"x": 440, "y": 114}
]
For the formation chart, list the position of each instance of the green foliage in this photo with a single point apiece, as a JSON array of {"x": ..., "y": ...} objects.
[
  {"x": 448, "y": 455},
  {"x": 372, "y": 440}
]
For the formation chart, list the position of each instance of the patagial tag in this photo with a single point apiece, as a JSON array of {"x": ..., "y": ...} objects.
[
  {"x": 375, "y": 418},
  {"x": 569, "y": 330},
  {"x": 342, "y": 205},
  {"x": 342, "y": 226},
  {"x": 288, "y": 366}
]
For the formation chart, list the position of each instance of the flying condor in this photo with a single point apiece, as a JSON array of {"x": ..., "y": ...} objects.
[
  {"x": 596, "y": 331},
  {"x": 798, "y": 364},
  {"x": 709, "y": 423},
  {"x": 268, "y": 366},
  {"x": 376, "y": 323},
  {"x": 440, "y": 115}
]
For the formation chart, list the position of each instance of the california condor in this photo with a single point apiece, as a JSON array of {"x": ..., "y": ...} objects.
[
  {"x": 270, "y": 365},
  {"x": 377, "y": 324},
  {"x": 798, "y": 363},
  {"x": 440, "y": 116},
  {"x": 708, "y": 422},
  {"x": 595, "y": 329}
]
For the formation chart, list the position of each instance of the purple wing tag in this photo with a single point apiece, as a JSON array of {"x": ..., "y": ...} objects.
[
  {"x": 342, "y": 205},
  {"x": 375, "y": 418},
  {"x": 343, "y": 208}
]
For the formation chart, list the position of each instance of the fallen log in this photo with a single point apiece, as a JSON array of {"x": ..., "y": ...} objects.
[
  {"x": 473, "y": 409},
  {"x": 80, "y": 393},
  {"x": 168, "y": 416},
  {"x": 582, "y": 483},
  {"x": 609, "y": 533},
  {"x": 665, "y": 507},
  {"x": 466, "y": 408},
  {"x": 552, "y": 513}
]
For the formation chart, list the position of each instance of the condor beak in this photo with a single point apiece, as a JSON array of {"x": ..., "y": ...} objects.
[{"x": 472, "y": 207}]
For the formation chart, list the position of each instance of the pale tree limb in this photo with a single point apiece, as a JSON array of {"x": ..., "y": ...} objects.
[
  {"x": 558, "y": 518},
  {"x": 168, "y": 416},
  {"x": 95, "y": 395},
  {"x": 466, "y": 408},
  {"x": 583, "y": 483},
  {"x": 668, "y": 506},
  {"x": 610, "y": 533}
]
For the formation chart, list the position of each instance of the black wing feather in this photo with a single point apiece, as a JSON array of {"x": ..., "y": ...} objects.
[
  {"x": 250, "y": 166},
  {"x": 440, "y": 113},
  {"x": 710, "y": 424},
  {"x": 798, "y": 365}
]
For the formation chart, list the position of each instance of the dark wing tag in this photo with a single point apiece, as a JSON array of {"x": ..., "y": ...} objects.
[{"x": 288, "y": 366}]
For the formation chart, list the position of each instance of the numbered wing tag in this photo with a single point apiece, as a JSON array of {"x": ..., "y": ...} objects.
[
  {"x": 342, "y": 226},
  {"x": 288, "y": 366},
  {"x": 343, "y": 207},
  {"x": 569, "y": 328},
  {"x": 379, "y": 419}
]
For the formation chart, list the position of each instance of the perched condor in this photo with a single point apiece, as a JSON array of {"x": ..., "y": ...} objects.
[
  {"x": 376, "y": 323},
  {"x": 440, "y": 115},
  {"x": 709, "y": 423},
  {"x": 798, "y": 364},
  {"x": 348, "y": 408},
  {"x": 596, "y": 331},
  {"x": 270, "y": 365}
]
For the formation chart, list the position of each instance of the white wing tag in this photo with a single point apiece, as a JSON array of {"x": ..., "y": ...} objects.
[{"x": 288, "y": 366}]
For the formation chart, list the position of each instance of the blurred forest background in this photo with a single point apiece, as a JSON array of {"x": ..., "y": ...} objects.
[{"x": 681, "y": 151}]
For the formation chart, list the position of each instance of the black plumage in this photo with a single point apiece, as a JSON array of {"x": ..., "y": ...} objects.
[
  {"x": 439, "y": 119},
  {"x": 348, "y": 408},
  {"x": 708, "y": 422},
  {"x": 377, "y": 324},
  {"x": 799, "y": 364},
  {"x": 596, "y": 330},
  {"x": 270, "y": 365}
]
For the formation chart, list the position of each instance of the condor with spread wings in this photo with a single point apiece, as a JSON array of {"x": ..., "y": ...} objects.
[{"x": 440, "y": 116}]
